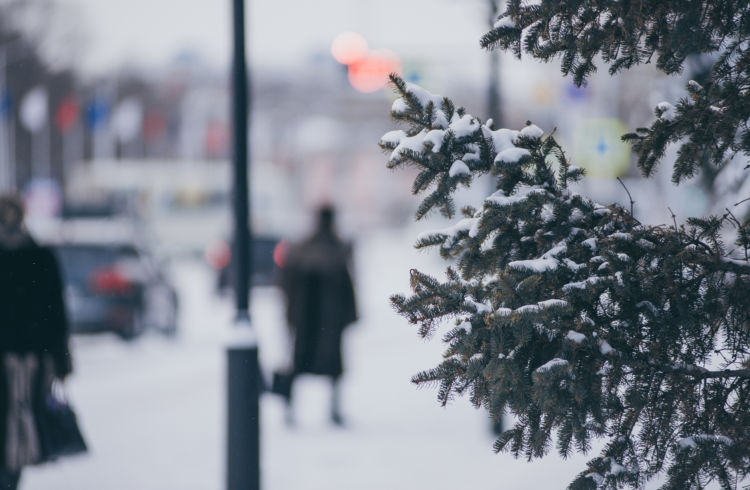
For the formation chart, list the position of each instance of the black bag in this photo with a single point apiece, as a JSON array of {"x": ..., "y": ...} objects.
[
  {"x": 59, "y": 433},
  {"x": 281, "y": 384}
]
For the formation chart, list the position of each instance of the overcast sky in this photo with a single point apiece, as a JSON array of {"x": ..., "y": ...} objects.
[{"x": 280, "y": 32}]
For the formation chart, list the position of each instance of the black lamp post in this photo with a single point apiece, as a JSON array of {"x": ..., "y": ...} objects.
[{"x": 243, "y": 371}]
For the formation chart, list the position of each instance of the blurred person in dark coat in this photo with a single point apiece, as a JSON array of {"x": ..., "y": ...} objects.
[
  {"x": 33, "y": 340},
  {"x": 320, "y": 304}
]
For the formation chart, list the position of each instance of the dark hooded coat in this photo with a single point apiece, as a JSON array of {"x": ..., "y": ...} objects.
[
  {"x": 320, "y": 302},
  {"x": 33, "y": 330}
]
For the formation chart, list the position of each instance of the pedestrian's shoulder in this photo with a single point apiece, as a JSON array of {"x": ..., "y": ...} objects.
[{"x": 43, "y": 254}]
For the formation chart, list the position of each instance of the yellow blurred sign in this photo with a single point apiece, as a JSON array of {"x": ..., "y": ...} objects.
[{"x": 598, "y": 149}]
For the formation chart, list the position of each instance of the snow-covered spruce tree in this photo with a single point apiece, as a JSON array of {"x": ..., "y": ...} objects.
[{"x": 572, "y": 316}]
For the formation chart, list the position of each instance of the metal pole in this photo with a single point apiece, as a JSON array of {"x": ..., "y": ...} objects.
[
  {"x": 493, "y": 86},
  {"x": 243, "y": 371},
  {"x": 240, "y": 128}
]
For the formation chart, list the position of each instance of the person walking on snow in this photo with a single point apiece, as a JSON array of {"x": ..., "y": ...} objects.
[
  {"x": 320, "y": 305},
  {"x": 33, "y": 340}
]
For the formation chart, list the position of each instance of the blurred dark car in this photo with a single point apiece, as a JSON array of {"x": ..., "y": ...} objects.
[
  {"x": 115, "y": 286},
  {"x": 266, "y": 258}
]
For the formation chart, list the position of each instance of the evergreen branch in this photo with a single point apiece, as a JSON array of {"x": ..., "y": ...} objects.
[{"x": 629, "y": 196}]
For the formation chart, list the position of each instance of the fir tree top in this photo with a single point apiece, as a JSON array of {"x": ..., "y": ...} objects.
[{"x": 710, "y": 122}]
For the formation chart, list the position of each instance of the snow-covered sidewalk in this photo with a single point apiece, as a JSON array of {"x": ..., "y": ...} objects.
[{"x": 153, "y": 410}]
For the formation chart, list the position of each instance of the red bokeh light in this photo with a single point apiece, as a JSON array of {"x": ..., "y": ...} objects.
[
  {"x": 218, "y": 254},
  {"x": 371, "y": 72},
  {"x": 348, "y": 48},
  {"x": 279, "y": 254}
]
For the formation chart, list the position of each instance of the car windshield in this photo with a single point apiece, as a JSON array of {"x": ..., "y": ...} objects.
[{"x": 77, "y": 261}]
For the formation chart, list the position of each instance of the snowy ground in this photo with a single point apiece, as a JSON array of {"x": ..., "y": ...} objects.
[{"x": 153, "y": 410}]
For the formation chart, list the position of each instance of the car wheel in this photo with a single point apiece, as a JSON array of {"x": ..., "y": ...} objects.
[{"x": 134, "y": 329}]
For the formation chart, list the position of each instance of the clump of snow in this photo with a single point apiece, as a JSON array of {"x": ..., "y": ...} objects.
[
  {"x": 547, "y": 213},
  {"x": 605, "y": 348},
  {"x": 423, "y": 96},
  {"x": 503, "y": 311},
  {"x": 555, "y": 251},
  {"x": 474, "y": 230},
  {"x": 621, "y": 236},
  {"x": 576, "y": 337},
  {"x": 465, "y": 326},
  {"x": 464, "y": 224},
  {"x": 666, "y": 111},
  {"x": 574, "y": 266},
  {"x": 511, "y": 155},
  {"x": 645, "y": 243},
  {"x": 472, "y": 154},
  {"x": 532, "y": 131},
  {"x": 576, "y": 216},
  {"x": 598, "y": 479},
  {"x": 393, "y": 137},
  {"x": 413, "y": 143},
  {"x": 459, "y": 168},
  {"x": 502, "y": 139},
  {"x": 477, "y": 357},
  {"x": 400, "y": 106},
  {"x": 489, "y": 242},
  {"x": 504, "y": 21},
  {"x": 527, "y": 309},
  {"x": 615, "y": 468},
  {"x": 499, "y": 197},
  {"x": 590, "y": 281},
  {"x": 552, "y": 303},
  {"x": 694, "y": 86},
  {"x": 554, "y": 363},
  {"x": 534, "y": 265},
  {"x": 463, "y": 126},
  {"x": 480, "y": 307},
  {"x": 435, "y": 138},
  {"x": 690, "y": 442},
  {"x": 591, "y": 243}
]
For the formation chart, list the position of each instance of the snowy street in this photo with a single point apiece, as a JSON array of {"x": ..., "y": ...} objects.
[{"x": 153, "y": 410}]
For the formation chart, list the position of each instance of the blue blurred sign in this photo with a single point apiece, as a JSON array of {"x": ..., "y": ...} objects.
[
  {"x": 97, "y": 113},
  {"x": 6, "y": 104},
  {"x": 578, "y": 93}
]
